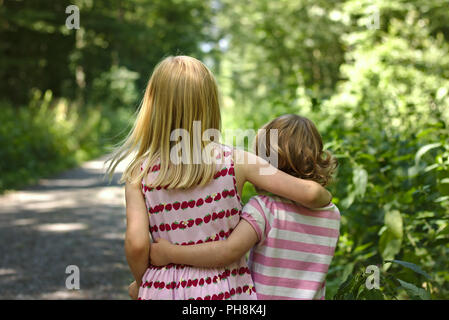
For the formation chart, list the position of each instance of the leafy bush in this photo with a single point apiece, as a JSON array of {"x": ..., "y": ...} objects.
[
  {"x": 116, "y": 88},
  {"x": 387, "y": 121},
  {"x": 49, "y": 135},
  {"x": 372, "y": 284},
  {"x": 388, "y": 124}
]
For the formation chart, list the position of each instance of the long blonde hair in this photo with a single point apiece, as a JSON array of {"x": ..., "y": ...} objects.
[{"x": 180, "y": 91}]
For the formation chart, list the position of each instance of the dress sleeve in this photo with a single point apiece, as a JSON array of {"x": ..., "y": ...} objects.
[{"x": 255, "y": 215}]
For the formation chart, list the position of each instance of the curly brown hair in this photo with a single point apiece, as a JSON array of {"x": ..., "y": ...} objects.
[{"x": 299, "y": 148}]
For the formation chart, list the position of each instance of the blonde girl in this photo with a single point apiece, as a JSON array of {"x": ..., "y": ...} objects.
[{"x": 190, "y": 202}]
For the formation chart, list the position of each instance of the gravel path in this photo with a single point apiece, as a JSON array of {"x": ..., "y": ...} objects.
[{"x": 75, "y": 218}]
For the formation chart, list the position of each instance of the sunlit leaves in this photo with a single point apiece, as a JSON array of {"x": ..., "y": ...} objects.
[
  {"x": 423, "y": 150},
  {"x": 360, "y": 180},
  {"x": 391, "y": 238}
]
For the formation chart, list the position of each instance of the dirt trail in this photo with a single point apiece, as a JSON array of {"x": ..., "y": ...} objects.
[{"x": 75, "y": 218}]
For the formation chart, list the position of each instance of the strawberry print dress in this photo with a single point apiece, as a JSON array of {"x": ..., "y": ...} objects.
[{"x": 193, "y": 216}]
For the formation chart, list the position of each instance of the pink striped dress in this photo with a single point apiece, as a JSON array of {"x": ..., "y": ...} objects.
[
  {"x": 194, "y": 216},
  {"x": 296, "y": 246}
]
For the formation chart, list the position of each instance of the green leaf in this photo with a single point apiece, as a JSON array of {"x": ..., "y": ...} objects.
[
  {"x": 359, "y": 281},
  {"x": 413, "y": 291},
  {"x": 441, "y": 199},
  {"x": 360, "y": 180},
  {"x": 348, "y": 269},
  {"x": 349, "y": 289},
  {"x": 389, "y": 245},
  {"x": 423, "y": 150},
  {"x": 391, "y": 239},
  {"x": 393, "y": 221},
  {"x": 367, "y": 156},
  {"x": 444, "y": 230},
  {"x": 362, "y": 247},
  {"x": 344, "y": 288},
  {"x": 411, "y": 266},
  {"x": 425, "y": 214},
  {"x": 349, "y": 200},
  {"x": 373, "y": 294}
]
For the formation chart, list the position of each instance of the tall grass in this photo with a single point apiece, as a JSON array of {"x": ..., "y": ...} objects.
[{"x": 49, "y": 135}]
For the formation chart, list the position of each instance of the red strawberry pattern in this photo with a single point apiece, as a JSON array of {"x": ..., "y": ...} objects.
[
  {"x": 224, "y": 172},
  {"x": 193, "y": 203},
  {"x": 201, "y": 282},
  {"x": 194, "y": 216}
]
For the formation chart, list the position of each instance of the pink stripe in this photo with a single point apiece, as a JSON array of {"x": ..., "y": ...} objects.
[
  {"x": 304, "y": 228},
  {"x": 261, "y": 296},
  {"x": 290, "y": 264},
  {"x": 249, "y": 218},
  {"x": 256, "y": 205},
  {"x": 334, "y": 215},
  {"x": 285, "y": 282},
  {"x": 299, "y": 246}
]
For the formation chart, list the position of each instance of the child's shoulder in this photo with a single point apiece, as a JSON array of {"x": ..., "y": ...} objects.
[
  {"x": 270, "y": 198},
  {"x": 273, "y": 202},
  {"x": 330, "y": 207},
  {"x": 266, "y": 201}
]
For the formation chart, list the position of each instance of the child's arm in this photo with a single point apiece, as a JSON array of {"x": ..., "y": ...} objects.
[
  {"x": 306, "y": 192},
  {"x": 137, "y": 239},
  {"x": 210, "y": 254}
]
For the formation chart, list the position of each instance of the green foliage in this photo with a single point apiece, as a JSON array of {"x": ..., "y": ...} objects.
[
  {"x": 93, "y": 77},
  {"x": 384, "y": 115},
  {"x": 360, "y": 285},
  {"x": 35, "y": 49},
  {"x": 39, "y": 52},
  {"x": 51, "y": 135},
  {"x": 116, "y": 88},
  {"x": 391, "y": 235},
  {"x": 392, "y": 123},
  {"x": 278, "y": 50}
]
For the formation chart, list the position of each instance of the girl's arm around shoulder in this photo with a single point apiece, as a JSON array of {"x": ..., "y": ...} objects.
[
  {"x": 211, "y": 254},
  {"x": 265, "y": 176}
]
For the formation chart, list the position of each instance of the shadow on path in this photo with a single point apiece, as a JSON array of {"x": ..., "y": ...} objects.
[{"x": 75, "y": 218}]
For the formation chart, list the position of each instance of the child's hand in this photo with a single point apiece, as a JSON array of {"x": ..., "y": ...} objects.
[
  {"x": 158, "y": 252},
  {"x": 133, "y": 290}
]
